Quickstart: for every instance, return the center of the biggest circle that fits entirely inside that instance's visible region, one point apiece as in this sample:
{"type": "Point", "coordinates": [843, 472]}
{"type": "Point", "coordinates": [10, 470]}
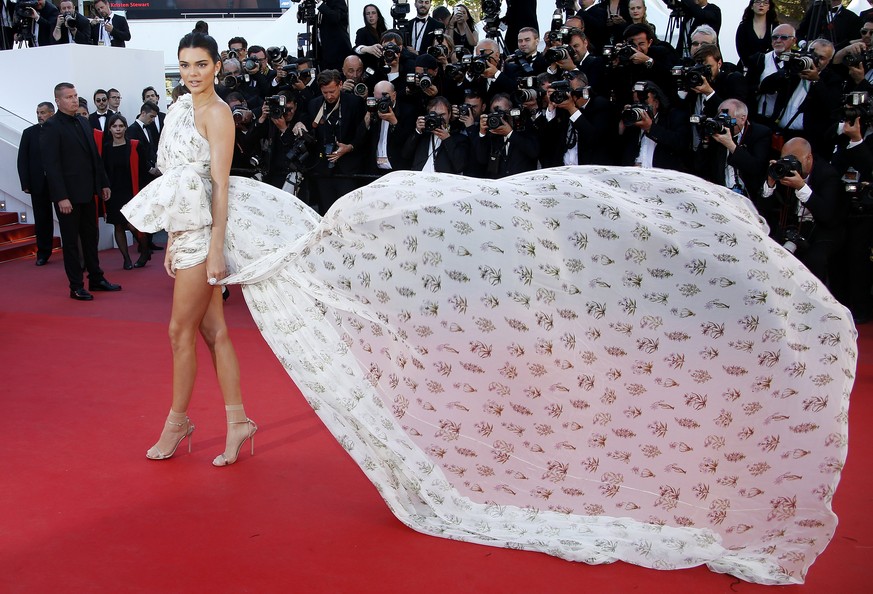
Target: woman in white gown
{"type": "Point", "coordinates": [599, 364]}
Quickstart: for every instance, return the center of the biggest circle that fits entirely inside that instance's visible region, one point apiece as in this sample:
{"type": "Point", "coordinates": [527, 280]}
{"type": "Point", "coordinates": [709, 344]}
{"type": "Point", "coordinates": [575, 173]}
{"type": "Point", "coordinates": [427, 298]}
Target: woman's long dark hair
{"type": "Point", "coordinates": [201, 41]}
{"type": "Point", "coordinates": [381, 27]}
{"type": "Point", "coordinates": [772, 15]}
{"type": "Point", "coordinates": [471, 24]}
{"type": "Point", "coordinates": [107, 134]}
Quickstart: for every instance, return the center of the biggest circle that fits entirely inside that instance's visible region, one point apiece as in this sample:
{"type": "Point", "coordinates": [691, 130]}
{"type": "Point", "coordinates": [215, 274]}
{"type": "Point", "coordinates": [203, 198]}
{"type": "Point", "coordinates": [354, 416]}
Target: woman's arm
{"type": "Point", "coordinates": [219, 128]}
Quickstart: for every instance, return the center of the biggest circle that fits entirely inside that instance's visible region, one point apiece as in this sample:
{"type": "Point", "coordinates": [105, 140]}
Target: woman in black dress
{"type": "Point", "coordinates": [753, 33]}
{"type": "Point", "coordinates": [121, 159]}
{"type": "Point", "coordinates": [462, 28]}
{"type": "Point", "coordinates": [367, 39]}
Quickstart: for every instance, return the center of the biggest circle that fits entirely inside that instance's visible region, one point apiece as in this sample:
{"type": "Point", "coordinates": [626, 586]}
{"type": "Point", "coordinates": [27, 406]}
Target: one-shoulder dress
{"type": "Point", "coordinates": [596, 363]}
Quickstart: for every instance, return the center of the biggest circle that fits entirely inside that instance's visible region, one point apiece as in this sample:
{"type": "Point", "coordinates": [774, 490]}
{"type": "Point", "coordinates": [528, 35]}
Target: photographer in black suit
{"type": "Point", "coordinates": [736, 158]}
{"type": "Point", "coordinates": [75, 174]}
{"type": "Point", "coordinates": [577, 127]}
{"type": "Point", "coordinates": [499, 147]}
{"type": "Point", "coordinates": [37, 28]}
{"type": "Point", "coordinates": [435, 146]}
{"type": "Point", "coordinates": [336, 120]}
{"type": "Point", "coordinates": [71, 26]}
{"type": "Point", "coordinates": [807, 207]}
{"type": "Point", "coordinates": [657, 134]}
{"type": "Point", "coordinates": [829, 19]}
{"type": "Point", "coordinates": [418, 34]}
{"type": "Point", "coordinates": [109, 29]}
{"type": "Point", "coordinates": [32, 176]}
{"type": "Point", "coordinates": [389, 125]}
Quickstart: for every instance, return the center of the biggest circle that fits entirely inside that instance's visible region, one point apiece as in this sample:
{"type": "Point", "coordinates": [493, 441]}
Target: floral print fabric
{"type": "Point", "coordinates": [598, 364]}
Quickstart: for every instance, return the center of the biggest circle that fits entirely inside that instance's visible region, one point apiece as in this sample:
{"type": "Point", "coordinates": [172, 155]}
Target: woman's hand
{"type": "Point", "coordinates": [216, 268]}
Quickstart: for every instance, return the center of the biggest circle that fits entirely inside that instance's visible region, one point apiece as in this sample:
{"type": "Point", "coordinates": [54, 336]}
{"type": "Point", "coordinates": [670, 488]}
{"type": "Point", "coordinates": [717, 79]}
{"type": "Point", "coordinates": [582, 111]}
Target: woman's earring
{"type": "Point", "coordinates": [216, 78]}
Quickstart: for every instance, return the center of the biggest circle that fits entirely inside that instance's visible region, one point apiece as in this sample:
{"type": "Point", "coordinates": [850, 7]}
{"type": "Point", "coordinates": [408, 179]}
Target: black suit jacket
{"type": "Point", "coordinates": [154, 132]}
{"type": "Point", "coordinates": [672, 135]}
{"type": "Point", "coordinates": [348, 129]}
{"type": "Point", "coordinates": [519, 14]}
{"type": "Point", "coordinates": [148, 151]}
{"type": "Point", "coordinates": [94, 119]}
{"type": "Point", "coordinates": [524, 151]}
{"type": "Point", "coordinates": [750, 160]}
{"type": "Point", "coordinates": [120, 31]}
{"type": "Point", "coordinates": [48, 18]}
{"type": "Point", "coordinates": [594, 129]}
{"type": "Point", "coordinates": [73, 167]}
{"type": "Point", "coordinates": [427, 37]}
{"type": "Point", "coordinates": [31, 173]}
{"type": "Point", "coordinates": [696, 16]}
{"type": "Point", "coordinates": [396, 141]}
{"type": "Point", "coordinates": [334, 32]}
{"type": "Point", "coordinates": [82, 35]}
{"type": "Point", "coordinates": [844, 26]}
{"type": "Point", "coordinates": [452, 156]}
{"type": "Point", "coordinates": [818, 108]}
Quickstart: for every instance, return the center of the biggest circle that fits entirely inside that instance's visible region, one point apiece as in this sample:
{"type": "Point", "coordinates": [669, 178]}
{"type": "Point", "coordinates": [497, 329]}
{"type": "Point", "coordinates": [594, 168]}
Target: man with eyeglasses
{"type": "Point", "coordinates": [831, 21]}
{"type": "Point", "coordinates": [766, 72]}
{"type": "Point", "coordinates": [114, 100]}
{"type": "Point", "coordinates": [102, 113]}
{"type": "Point", "coordinates": [806, 102]}
{"type": "Point", "coordinates": [859, 76]}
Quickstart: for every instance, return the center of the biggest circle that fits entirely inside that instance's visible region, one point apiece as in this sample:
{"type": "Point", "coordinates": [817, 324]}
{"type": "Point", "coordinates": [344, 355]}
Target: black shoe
{"type": "Point", "coordinates": [104, 285]}
{"type": "Point", "coordinates": [143, 258]}
{"type": "Point", "coordinates": [225, 293]}
{"type": "Point", "coordinates": [42, 261]}
{"type": "Point", "coordinates": [81, 294]}
{"type": "Point", "coordinates": [155, 248]}
{"type": "Point", "coordinates": [128, 265]}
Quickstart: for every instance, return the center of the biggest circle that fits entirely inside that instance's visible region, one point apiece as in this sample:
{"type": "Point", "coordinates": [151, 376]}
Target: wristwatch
{"type": "Point", "coordinates": [649, 62]}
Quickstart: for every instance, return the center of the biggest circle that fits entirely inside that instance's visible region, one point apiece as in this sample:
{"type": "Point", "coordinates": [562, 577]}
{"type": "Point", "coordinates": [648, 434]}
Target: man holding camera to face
{"type": "Point", "coordinates": [655, 134]}
{"type": "Point", "coordinates": [71, 26]}
{"type": "Point", "coordinates": [234, 80]}
{"type": "Point", "coordinates": [274, 131]}
{"type": "Point", "coordinates": [501, 148]}
{"type": "Point", "coordinates": [389, 125]}
{"type": "Point", "coordinates": [108, 29]}
{"type": "Point", "coordinates": [34, 24]}
{"type": "Point", "coordinates": [245, 144]}
{"type": "Point", "coordinates": [733, 151]}
{"type": "Point", "coordinates": [804, 204]}
{"type": "Point", "coordinates": [435, 146]}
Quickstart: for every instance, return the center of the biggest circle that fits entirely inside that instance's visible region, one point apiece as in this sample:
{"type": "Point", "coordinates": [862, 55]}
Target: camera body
{"type": "Point", "coordinates": [498, 117]}
{"type": "Point", "coordinates": [520, 58]}
{"type": "Point", "coordinates": [865, 58]}
{"type": "Point", "coordinates": [690, 76]}
{"type": "Point", "coordinates": [620, 51]}
{"type": "Point", "coordinates": [464, 110]}
{"type": "Point", "coordinates": [300, 152]}
{"type": "Point", "coordinates": [558, 53]}
{"type": "Point", "coordinates": [860, 199]}
{"type": "Point", "coordinates": [380, 105]}
{"type": "Point", "coordinates": [232, 81]}
{"type": "Point", "coordinates": [793, 241]}
{"type": "Point", "coordinates": [251, 65]}
{"type": "Point", "coordinates": [797, 62]}
{"type": "Point", "coordinates": [857, 105]}
{"type": "Point", "coordinates": [478, 65]}
{"type": "Point", "coordinates": [242, 115]}
{"type": "Point", "coordinates": [634, 113]}
{"type": "Point", "coordinates": [276, 105]}
{"type": "Point", "coordinates": [784, 167]}
{"type": "Point", "coordinates": [433, 121]}
{"type": "Point", "coordinates": [561, 91]}
{"type": "Point", "coordinates": [709, 127]}
{"type": "Point", "coordinates": [420, 81]}
{"type": "Point", "coordinates": [391, 50]}
{"type": "Point", "coordinates": [527, 89]}
{"type": "Point", "coordinates": [22, 8]}
{"type": "Point", "coordinates": [456, 72]}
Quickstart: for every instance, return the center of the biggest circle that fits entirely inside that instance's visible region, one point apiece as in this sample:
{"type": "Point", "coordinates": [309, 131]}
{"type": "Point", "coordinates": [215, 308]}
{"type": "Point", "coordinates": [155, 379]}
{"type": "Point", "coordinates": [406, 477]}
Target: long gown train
{"type": "Point", "coordinates": [596, 363]}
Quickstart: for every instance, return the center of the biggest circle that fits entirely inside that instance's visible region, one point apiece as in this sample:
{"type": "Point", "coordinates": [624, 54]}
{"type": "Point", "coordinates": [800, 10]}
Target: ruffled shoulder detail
{"type": "Point", "coordinates": [179, 200]}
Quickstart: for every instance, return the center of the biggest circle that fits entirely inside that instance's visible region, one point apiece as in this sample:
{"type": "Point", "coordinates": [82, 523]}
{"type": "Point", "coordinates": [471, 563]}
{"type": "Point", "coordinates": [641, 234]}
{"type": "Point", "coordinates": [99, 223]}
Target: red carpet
{"type": "Point", "coordinates": [85, 389]}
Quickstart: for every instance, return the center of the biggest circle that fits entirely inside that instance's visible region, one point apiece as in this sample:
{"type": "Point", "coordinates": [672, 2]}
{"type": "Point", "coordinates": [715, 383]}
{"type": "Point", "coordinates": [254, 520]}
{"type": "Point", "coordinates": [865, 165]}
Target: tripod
{"type": "Point", "coordinates": [307, 43]}
{"type": "Point", "coordinates": [676, 22]}
{"type": "Point", "coordinates": [820, 25]}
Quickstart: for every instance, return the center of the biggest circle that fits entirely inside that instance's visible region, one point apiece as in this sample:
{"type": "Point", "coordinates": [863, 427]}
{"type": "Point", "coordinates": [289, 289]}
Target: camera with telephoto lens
{"type": "Point", "coordinates": [433, 121]}
{"type": "Point", "coordinates": [558, 53]}
{"type": "Point", "coordinates": [231, 54]}
{"type": "Point", "coordinates": [70, 21]}
{"type": "Point", "coordinates": [797, 62]}
{"type": "Point", "coordinates": [303, 147]}
{"type": "Point", "coordinates": [390, 51]}
{"type": "Point", "coordinates": [857, 105]}
{"type": "Point", "coordinates": [865, 58]}
{"type": "Point", "coordinates": [292, 72]}
{"type": "Point", "coordinates": [634, 113]}
{"type": "Point", "coordinates": [22, 8]}
{"type": "Point", "coordinates": [520, 58]}
{"type": "Point", "coordinates": [622, 52]}
{"type": "Point", "coordinates": [232, 81]}
{"type": "Point", "coordinates": [251, 65]}
{"type": "Point", "coordinates": [690, 76]}
{"type": "Point", "coordinates": [527, 89]}
{"type": "Point", "coordinates": [380, 105]}
{"type": "Point", "coordinates": [276, 104]}
{"type": "Point", "coordinates": [438, 51]}
{"type": "Point", "coordinates": [241, 115]}
{"type": "Point", "coordinates": [793, 241]}
{"type": "Point", "coordinates": [709, 127]}
{"type": "Point", "coordinates": [785, 167]}
{"type": "Point", "coordinates": [360, 89]}
{"type": "Point", "coordinates": [277, 54]}
{"type": "Point", "coordinates": [491, 16]}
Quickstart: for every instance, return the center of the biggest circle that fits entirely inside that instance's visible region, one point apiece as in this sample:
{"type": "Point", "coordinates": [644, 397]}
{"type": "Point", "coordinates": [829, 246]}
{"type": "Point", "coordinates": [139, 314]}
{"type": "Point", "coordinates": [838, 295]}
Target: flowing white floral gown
{"type": "Point", "coordinates": [596, 363]}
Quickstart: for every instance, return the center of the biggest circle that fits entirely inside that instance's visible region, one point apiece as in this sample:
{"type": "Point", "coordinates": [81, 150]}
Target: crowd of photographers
{"type": "Point", "coordinates": [789, 127]}
{"type": "Point", "coordinates": [38, 23]}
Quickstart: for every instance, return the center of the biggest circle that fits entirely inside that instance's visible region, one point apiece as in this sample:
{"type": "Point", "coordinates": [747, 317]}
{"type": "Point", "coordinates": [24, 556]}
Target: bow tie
{"type": "Point", "coordinates": [421, 19]}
